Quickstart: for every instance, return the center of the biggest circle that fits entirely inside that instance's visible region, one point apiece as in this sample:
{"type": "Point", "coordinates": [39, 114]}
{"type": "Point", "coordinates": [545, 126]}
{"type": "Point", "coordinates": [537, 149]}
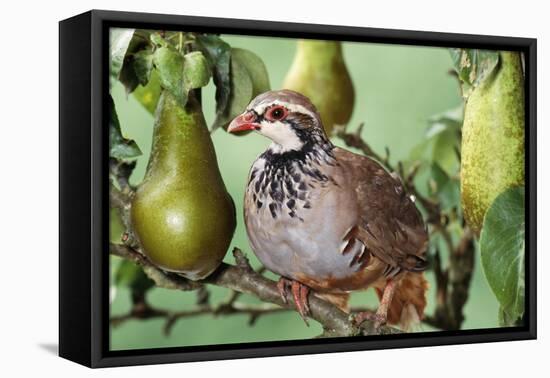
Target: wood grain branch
{"type": "Point", "coordinates": [243, 279]}
{"type": "Point", "coordinates": [240, 278]}
{"type": "Point", "coordinates": [142, 311]}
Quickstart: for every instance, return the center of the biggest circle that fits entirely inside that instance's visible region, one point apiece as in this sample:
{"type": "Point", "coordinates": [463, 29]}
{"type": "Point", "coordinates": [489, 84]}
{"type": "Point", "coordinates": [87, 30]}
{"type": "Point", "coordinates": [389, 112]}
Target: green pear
{"type": "Point", "coordinates": [182, 214]}
{"type": "Point", "coordinates": [319, 73]}
{"type": "Point", "coordinates": [493, 137]}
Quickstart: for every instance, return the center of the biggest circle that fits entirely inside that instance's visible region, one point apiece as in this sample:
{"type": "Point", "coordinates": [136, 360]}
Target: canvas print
{"type": "Point", "coordinates": [274, 189]}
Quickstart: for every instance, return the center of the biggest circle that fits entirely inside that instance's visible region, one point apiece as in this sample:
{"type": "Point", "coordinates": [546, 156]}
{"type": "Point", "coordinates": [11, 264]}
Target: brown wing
{"type": "Point", "coordinates": [389, 225]}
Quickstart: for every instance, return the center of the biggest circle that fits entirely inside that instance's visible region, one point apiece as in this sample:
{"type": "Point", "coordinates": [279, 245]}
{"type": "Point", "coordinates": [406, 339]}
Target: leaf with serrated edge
{"type": "Point", "coordinates": [502, 245]}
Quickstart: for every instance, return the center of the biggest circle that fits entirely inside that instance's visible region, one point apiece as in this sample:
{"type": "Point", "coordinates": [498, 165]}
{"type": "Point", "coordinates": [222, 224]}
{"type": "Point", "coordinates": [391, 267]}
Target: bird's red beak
{"type": "Point", "coordinates": [246, 121]}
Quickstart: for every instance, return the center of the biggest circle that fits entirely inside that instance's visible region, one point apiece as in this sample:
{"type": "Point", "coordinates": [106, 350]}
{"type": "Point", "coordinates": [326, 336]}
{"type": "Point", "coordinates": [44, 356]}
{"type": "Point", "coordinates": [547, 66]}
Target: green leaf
{"type": "Point", "coordinates": [148, 95]}
{"type": "Point", "coordinates": [242, 90]}
{"type": "Point", "coordinates": [120, 147]}
{"type": "Point", "coordinates": [442, 143]}
{"type": "Point", "coordinates": [439, 149]}
{"type": "Point", "coordinates": [218, 54]}
{"type": "Point", "coordinates": [248, 79]}
{"type": "Point", "coordinates": [445, 188]}
{"type": "Point", "coordinates": [502, 245]}
{"type": "Point", "coordinates": [128, 76]}
{"type": "Point", "coordinates": [444, 153]}
{"type": "Point", "coordinates": [157, 39]}
{"type": "Point", "coordinates": [143, 65]}
{"type": "Point", "coordinates": [116, 228]}
{"type": "Point", "coordinates": [255, 67]}
{"type": "Point", "coordinates": [450, 119]}
{"type": "Point", "coordinates": [119, 40]}
{"type": "Point", "coordinates": [169, 64]}
{"type": "Point", "coordinates": [176, 73]}
{"type": "Point", "coordinates": [131, 275]}
{"type": "Point", "coordinates": [136, 66]}
{"type": "Point", "coordinates": [507, 320]}
{"type": "Point", "coordinates": [473, 66]}
{"type": "Point", "coordinates": [439, 177]}
{"type": "Point", "coordinates": [196, 73]}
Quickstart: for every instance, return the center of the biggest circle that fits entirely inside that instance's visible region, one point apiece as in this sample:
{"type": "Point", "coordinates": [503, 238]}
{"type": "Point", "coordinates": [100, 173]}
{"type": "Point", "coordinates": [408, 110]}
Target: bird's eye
{"type": "Point", "coordinates": [276, 113]}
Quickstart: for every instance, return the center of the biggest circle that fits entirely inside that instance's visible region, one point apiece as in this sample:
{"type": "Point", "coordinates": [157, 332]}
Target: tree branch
{"type": "Point", "coordinates": [355, 140]}
{"type": "Point", "coordinates": [142, 310]}
{"type": "Point", "coordinates": [243, 279]}
{"type": "Point", "coordinates": [453, 283]}
{"type": "Point", "coordinates": [455, 288]}
{"type": "Point", "coordinates": [240, 278]}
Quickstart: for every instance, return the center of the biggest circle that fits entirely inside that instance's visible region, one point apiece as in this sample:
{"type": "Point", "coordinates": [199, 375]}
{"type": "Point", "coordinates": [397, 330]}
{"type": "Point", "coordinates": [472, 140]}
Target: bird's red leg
{"type": "Point", "coordinates": [300, 294]}
{"type": "Point", "coordinates": [381, 315]}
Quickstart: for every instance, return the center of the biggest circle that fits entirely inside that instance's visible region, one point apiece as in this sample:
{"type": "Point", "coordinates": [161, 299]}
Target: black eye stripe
{"type": "Point", "coordinates": [259, 117]}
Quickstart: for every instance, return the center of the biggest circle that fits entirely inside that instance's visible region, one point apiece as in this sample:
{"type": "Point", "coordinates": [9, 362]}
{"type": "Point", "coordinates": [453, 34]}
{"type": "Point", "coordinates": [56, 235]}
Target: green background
{"type": "Point", "coordinates": [397, 89]}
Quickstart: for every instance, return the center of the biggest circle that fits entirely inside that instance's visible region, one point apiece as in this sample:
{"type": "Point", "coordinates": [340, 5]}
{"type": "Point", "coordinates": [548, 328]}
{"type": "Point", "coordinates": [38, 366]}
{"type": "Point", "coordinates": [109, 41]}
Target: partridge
{"type": "Point", "coordinates": [328, 220]}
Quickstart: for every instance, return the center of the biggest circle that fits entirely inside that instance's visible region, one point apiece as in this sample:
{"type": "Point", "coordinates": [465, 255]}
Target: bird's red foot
{"type": "Point", "coordinates": [300, 294]}
{"type": "Point", "coordinates": [378, 319]}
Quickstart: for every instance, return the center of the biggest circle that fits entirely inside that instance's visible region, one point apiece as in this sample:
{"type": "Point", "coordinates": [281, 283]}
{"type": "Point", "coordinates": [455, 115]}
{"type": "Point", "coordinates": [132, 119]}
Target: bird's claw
{"type": "Point", "coordinates": [282, 287]}
{"type": "Point", "coordinates": [376, 318]}
{"type": "Point", "coordinates": [300, 294]}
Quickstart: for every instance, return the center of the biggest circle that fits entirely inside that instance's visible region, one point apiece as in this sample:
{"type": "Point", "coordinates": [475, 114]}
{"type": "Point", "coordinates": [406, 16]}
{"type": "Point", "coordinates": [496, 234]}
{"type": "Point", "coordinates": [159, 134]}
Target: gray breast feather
{"type": "Point", "coordinates": [308, 243]}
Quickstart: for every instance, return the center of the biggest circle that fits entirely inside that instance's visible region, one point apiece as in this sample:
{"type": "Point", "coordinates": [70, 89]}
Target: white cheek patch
{"type": "Point", "coordinates": [284, 138]}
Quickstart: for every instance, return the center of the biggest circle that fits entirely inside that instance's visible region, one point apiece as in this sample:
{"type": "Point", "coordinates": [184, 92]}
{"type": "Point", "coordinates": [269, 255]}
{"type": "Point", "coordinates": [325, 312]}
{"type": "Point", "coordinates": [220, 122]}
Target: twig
{"type": "Point", "coordinates": [141, 310]}
{"type": "Point", "coordinates": [453, 283]}
{"type": "Point", "coordinates": [356, 141]}
{"type": "Point", "coordinates": [161, 278]}
{"type": "Point", "coordinates": [121, 170]}
{"type": "Point", "coordinates": [242, 278]}
{"type": "Point", "coordinates": [145, 311]}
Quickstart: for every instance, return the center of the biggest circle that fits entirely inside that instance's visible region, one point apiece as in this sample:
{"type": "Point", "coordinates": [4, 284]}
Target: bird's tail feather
{"type": "Point", "coordinates": [408, 302]}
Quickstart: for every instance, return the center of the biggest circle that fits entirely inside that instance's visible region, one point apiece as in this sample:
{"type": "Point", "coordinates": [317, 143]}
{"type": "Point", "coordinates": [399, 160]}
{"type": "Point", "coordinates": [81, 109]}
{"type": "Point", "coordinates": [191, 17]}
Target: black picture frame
{"type": "Point", "coordinates": [83, 196]}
